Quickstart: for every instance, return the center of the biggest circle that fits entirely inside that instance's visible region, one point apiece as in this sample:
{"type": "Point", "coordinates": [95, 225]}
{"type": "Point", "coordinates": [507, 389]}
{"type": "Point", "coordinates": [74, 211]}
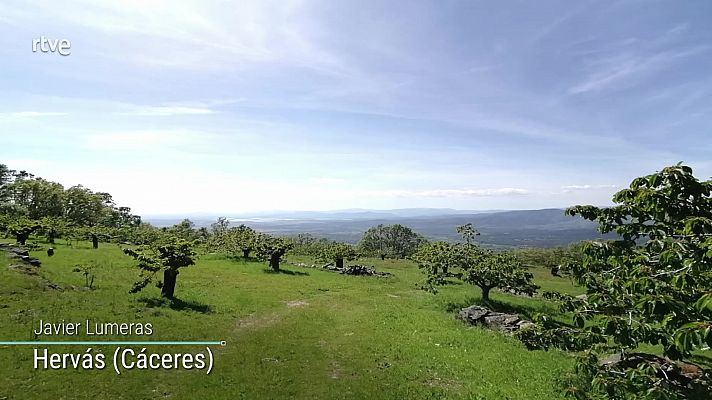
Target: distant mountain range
{"type": "Point", "coordinates": [520, 228]}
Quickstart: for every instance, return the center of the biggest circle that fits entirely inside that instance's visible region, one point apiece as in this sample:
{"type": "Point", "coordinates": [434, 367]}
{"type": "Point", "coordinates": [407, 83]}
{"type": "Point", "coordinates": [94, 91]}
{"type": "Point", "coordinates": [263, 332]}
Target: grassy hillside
{"type": "Point", "coordinates": [302, 333]}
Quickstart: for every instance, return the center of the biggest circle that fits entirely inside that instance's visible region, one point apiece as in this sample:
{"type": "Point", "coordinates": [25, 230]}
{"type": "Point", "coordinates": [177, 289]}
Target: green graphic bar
{"type": "Point", "coordinates": [221, 343]}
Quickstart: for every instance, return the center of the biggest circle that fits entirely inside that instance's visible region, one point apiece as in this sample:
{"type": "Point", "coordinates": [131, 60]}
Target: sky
{"type": "Point", "coordinates": [241, 106]}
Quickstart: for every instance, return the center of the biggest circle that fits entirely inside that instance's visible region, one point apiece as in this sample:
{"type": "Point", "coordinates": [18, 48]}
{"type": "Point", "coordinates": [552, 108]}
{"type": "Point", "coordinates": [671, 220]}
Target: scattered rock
{"type": "Point", "coordinates": [346, 270]}
{"type": "Point", "coordinates": [677, 372]}
{"type": "Point", "coordinates": [297, 303]}
{"type": "Point", "coordinates": [507, 323]}
{"type": "Point", "coordinates": [355, 270]}
{"type": "Point", "coordinates": [21, 254]}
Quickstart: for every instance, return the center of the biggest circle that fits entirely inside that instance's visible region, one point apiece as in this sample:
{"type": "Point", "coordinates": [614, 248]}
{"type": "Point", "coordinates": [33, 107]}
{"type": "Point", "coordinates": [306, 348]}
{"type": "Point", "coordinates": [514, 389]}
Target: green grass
{"type": "Point", "coordinates": [306, 334]}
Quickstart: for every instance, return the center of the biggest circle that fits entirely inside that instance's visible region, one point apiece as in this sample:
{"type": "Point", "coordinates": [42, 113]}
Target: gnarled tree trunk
{"type": "Point", "coordinates": [22, 238]}
{"type": "Point", "coordinates": [274, 261]}
{"type": "Point", "coordinates": [170, 276]}
{"type": "Point", "coordinates": [485, 293]}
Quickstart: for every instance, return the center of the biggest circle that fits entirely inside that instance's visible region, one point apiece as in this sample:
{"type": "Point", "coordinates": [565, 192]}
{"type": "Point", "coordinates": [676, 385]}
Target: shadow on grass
{"type": "Point", "coordinates": [175, 304]}
{"type": "Point", "coordinates": [241, 259]}
{"type": "Point", "coordinates": [285, 271]}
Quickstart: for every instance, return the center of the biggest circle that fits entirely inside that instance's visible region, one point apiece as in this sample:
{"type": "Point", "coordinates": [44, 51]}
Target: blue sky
{"type": "Point", "coordinates": [210, 106]}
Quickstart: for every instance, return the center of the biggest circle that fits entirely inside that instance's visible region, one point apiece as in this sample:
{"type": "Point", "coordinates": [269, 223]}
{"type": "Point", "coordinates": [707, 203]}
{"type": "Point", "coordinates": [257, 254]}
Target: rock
{"type": "Point", "coordinates": [473, 314]}
{"type": "Point", "coordinates": [478, 315]}
{"type": "Point", "coordinates": [346, 270]}
{"type": "Point", "coordinates": [362, 270]}
{"type": "Point", "coordinates": [677, 372]}
{"type": "Point", "coordinates": [19, 253]}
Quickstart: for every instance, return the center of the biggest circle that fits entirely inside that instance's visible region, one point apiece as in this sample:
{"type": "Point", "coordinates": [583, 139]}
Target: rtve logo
{"type": "Point", "coordinates": [45, 45]}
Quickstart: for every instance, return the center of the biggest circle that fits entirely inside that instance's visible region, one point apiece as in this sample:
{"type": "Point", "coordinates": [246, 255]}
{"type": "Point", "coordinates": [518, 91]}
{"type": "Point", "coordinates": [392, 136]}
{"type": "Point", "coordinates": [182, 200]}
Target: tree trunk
{"type": "Point", "coordinates": [169, 283]}
{"type": "Point", "coordinates": [22, 238]}
{"type": "Point", "coordinates": [339, 263]}
{"type": "Point", "coordinates": [95, 241]}
{"type": "Point", "coordinates": [50, 237]}
{"type": "Point", "coordinates": [383, 256]}
{"type": "Point", "coordinates": [485, 294]}
{"type": "Point", "coordinates": [274, 261]}
{"type": "Point", "coordinates": [245, 253]}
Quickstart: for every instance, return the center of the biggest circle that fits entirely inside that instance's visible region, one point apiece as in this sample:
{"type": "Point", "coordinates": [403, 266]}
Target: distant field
{"type": "Point", "coordinates": [304, 333]}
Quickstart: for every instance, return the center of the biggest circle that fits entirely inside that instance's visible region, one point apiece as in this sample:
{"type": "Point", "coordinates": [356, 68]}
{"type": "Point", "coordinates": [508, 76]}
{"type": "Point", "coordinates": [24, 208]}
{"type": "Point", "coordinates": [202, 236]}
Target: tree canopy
{"type": "Point", "coordinates": [337, 253]}
{"type": "Point", "coordinates": [168, 255]}
{"type": "Point", "coordinates": [472, 264]}
{"type": "Point", "coordinates": [272, 249]}
{"type": "Point", "coordinates": [651, 286]}
{"type": "Point", "coordinates": [393, 241]}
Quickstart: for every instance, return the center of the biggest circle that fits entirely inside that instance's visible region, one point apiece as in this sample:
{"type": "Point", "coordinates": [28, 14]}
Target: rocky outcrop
{"type": "Point", "coordinates": [363, 270]}
{"type": "Point", "coordinates": [20, 254]}
{"type": "Point", "coordinates": [479, 315]}
{"type": "Point", "coordinates": [355, 270]}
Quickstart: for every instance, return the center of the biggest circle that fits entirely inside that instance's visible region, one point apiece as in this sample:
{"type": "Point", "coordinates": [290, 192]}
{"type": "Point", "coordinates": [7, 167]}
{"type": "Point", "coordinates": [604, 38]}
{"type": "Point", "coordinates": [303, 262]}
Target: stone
{"type": "Point", "coordinates": [479, 315]}
{"type": "Point", "coordinates": [21, 254]}
{"type": "Point", "coordinates": [678, 372]}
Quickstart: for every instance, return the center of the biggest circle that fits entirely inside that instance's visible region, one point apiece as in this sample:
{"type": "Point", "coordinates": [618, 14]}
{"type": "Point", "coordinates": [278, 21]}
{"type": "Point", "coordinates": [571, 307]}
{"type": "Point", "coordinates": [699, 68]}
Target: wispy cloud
{"type": "Point", "coordinates": [32, 114]}
{"type": "Point", "coordinates": [448, 193]}
{"type": "Point", "coordinates": [327, 181]}
{"type": "Point", "coordinates": [165, 111]}
{"type": "Point", "coordinates": [141, 139]}
{"type": "Point", "coordinates": [626, 69]}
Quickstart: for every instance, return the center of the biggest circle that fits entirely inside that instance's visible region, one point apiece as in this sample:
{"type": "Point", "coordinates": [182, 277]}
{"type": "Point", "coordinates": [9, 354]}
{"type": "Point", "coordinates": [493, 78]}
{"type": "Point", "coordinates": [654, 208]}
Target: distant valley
{"type": "Point", "coordinates": [520, 228]}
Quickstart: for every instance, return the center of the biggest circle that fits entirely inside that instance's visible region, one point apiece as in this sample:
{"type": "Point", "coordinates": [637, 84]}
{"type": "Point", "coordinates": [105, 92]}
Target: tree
{"type": "Point", "coordinates": [471, 264]}
{"type": "Point", "coordinates": [397, 241]}
{"type": "Point", "coordinates": [84, 207]}
{"type": "Point", "coordinates": [184, 230]}
{"type": "Point", "coordinates": [38, 198]}
{"type": "Point", "coordinates": [6, 177]}
{"type": "Point", "coordinates": [502, 270]}
{"type": "Point", "coordinates": [651, 286]}
{"type": "Point", "coordinates": [53, 227]}
{"type": "Point", "coordinates": [271, 249]}
{"type": "Point", "coordinates": [468, 232]}
{"type": "Point", "coordinates": [219, 227]}
{"type": "Point", "coordinates": [22, 228]}
{"type": "Point", "coordinates": [437, 259]}
{"type": "Point", "coordinates": [243, 238]}
{"type": "Point", "coordinates": [169, 255]}
{"type": "Point", "coordinates": [337, 253]}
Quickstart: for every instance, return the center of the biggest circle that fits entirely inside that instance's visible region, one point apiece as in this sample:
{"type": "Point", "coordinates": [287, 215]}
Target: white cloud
{"type": "Point", "coordinates": [571, 188]}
